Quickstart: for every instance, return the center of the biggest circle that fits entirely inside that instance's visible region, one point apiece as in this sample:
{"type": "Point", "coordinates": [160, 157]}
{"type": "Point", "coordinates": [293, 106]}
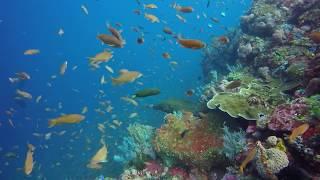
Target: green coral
{"type": "Point", "coordinates": [254, 99]}
{"type": "Point", "coordinates": [236, 105]}
{"type": "Point", "coordinates": [296, 70]}
{"type": "Point", "coordinates": [314, 106]}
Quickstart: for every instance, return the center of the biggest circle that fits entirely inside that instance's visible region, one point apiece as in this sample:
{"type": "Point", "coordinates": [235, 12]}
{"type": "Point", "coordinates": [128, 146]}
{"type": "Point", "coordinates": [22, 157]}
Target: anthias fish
{"type": "Point", "coordinates": [126, 77]}
{"type": "Point", "coordinates": [29, 163]}
{"type": "Point", "coordinates": [66, 119]}
{"type": "Point", "coordinates": [110, 40]}
{"type": "Point", "coordinates": [191, 43]}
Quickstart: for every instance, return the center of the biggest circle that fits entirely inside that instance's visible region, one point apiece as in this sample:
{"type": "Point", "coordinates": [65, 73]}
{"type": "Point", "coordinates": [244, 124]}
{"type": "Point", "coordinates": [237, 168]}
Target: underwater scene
{"type": "Point", "coordinates": [160, 90]}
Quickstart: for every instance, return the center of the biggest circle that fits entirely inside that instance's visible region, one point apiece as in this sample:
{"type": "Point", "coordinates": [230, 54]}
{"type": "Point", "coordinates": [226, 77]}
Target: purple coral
{"type": "Point", "coordinates": [285, 116]}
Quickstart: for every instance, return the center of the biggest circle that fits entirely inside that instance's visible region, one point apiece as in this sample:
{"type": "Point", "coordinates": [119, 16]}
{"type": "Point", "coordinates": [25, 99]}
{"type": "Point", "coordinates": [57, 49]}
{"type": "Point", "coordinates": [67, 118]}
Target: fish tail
{"type": "Point", "coordinates": [31, 147]}
{"type": "Point", "coordinates": [241, 169]}
{"type": "Point", "coordinates": [52, 123]}
{"type": "Point", "coordinates": [174, 5]}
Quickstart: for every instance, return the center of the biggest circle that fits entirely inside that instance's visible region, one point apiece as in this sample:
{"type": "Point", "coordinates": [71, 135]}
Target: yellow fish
{"type": "Point", "coordinates": [29, 163]}
{"type": "Point", "coordinates": [150, 6]}
{"type": "Point", "coordinates": [250, 157]}
{"type": "Point", "coordinates": [66, 119]}
{"type": "Point", "coordinates": [100, 157]}
{"type": "Point", "coordinates": [298, 131]}
{"type": "Point", "coordinates": [152, 18]}
{"type": "Point", "coordinates": [31, 52]}
{"type": "Point", "coordinates": [104, 56]}
{"type": "Point", "coordinates": [126, 77]}
{"type": "Point", "coordinates": [63, 68]}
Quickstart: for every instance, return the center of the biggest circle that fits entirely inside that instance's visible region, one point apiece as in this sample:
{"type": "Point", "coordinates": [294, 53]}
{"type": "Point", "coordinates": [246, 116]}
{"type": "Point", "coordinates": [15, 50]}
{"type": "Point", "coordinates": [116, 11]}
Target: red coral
{"type": "Point", "coordinates": [285, 116]}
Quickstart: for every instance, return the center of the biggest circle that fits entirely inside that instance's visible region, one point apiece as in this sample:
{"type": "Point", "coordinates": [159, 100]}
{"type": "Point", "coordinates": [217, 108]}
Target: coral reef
{"type": "Point", "coordinates": [233, 142]}
{"type": "Point", "coordinates": [137, 148]}
{"type": "Point", "coordinates": [218, 56]}
{"type": "Point", "coordinates": [254, 98]}
{"type": "Point", "coordinates": [267, 79]}
{"type": "Point", "coordinates": [188, 140]}
{"type": "Point", "coordinates": [287, 116]}
{"type": "Point", "coordinates": [270, 161]}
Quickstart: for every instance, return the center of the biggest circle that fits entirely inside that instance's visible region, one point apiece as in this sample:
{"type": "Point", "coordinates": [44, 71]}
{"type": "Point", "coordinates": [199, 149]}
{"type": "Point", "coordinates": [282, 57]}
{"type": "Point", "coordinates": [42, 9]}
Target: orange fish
{"type": "Point", "coordinates": [166, 55]}
{"type": "Point", "coordinates": [251, 155]}
{"type": "Point", "coordinates": [183, 9]}
{"type": "Point", "coordinates": [315, 37]}
{"type": "Point", "coordinates": [100, 157]}
{"type": "Point", "coordinates": [115, 32]}
{"type": "Point", "coordinates": [66, 119]}
{"type": "Point", "coordinates": [223, 39]}
{"type": "Point", "coordinates": [298, 131]}
{"type": "Point", "coordinates": [126, 77]}
{"type": "Point", "coordinates": [111, 40]}
{"type": "Point", "coordinates": [191, 43]}
{"type": "Point", "coordinates": [31, 52]}
{"type": "Point", "coordinates": [29, 163]}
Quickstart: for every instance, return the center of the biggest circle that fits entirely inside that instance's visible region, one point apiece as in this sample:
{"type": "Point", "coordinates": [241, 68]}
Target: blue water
{"type": "Point", "coordinates": [35, 24]}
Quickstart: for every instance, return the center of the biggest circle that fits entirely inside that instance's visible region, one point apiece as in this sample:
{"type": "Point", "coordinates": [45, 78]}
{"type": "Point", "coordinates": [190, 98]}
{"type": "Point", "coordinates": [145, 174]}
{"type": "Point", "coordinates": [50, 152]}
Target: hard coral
{"type": "Point", "coordinates": [270, 161]}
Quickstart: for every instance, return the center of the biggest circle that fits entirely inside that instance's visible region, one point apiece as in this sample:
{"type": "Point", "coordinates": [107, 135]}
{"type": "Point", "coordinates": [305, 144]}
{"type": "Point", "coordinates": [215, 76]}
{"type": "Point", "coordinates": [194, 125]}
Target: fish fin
{"type": "Point", "coordinates": [133, 96]}
{"type": "Point", "coordinates": [107, 24]}
{"type": "Point", "coordinates": [241, 169]}
{"type": "Point", "coordinates": [31, 147]}
{"type": "Point", "coordinates": [174, 5]}
{"type": "Point", "coordinates": [52, 123]}
{"type": "Point", "coordinates": [123, 71]}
